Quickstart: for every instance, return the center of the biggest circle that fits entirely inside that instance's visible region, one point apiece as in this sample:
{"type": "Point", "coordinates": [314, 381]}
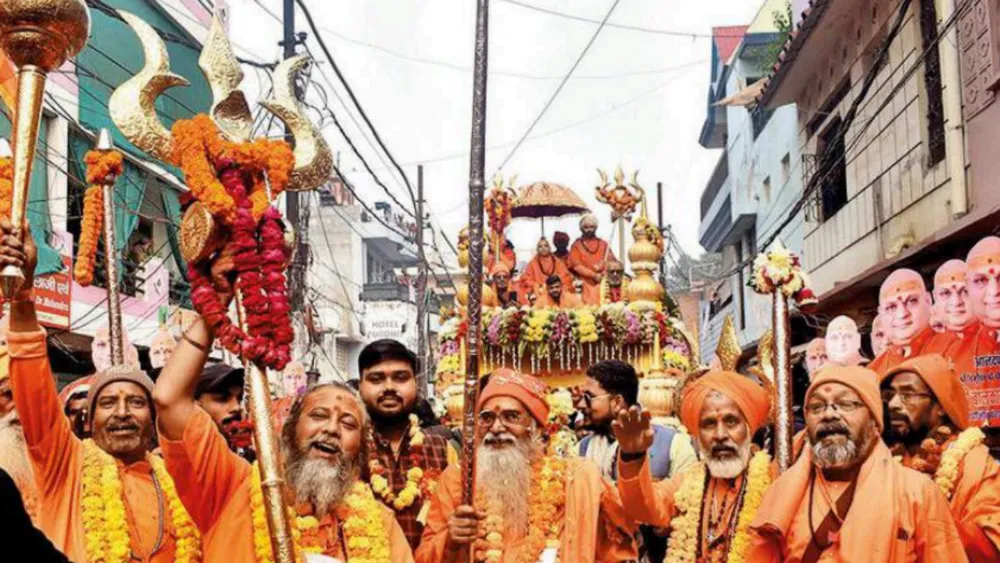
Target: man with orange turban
{"type": "Point", "coordinates": [503, 295]}
{"type": "Point", "coordinates": [530, 506]}
{"type": "Point", "coordinates": [929, 430]}
{"type": "Point", "coordinates": [722, 410]}
{"type": "Point", "coordinates": [588, 259]}
{"type": "Point", "coordinates": [898, 515]}
{"type": "Point", "coordinates": [904, 301]}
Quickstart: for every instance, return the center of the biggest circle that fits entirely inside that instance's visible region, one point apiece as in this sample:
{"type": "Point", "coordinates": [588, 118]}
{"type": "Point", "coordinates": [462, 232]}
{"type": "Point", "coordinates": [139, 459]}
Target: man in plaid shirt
{"type": "Point", "coordinates": [405, 459]}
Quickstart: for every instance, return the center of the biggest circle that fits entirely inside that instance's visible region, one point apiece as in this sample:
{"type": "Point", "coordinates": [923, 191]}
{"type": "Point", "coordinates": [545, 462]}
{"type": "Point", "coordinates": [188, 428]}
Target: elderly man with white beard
{"type": "Point", "coordinates": [322, 442]}
{"type": "Point", "coordinates": [708, 505]}
{"type": "Point", "coordinates": [529, 506]}
{"type": "Point", "coordinates": [13, 450]}
{"type": "Point", "coordinates": [846, 499]}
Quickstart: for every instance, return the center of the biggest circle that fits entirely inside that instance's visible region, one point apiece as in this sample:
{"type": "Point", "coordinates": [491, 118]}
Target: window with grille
{"type": "Point", "coordinates": [832, 169]}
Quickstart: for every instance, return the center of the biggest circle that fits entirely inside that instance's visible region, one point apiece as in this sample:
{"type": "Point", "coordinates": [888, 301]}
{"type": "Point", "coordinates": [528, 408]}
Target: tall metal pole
{"type": "Point", "coordinates": [111, 262]}
{"type": "Point", "coordinates": [477, 187]}
{"type": "Point", "coordinates": [659, 225]}
{"type": "Point", "coordinates": [421, 286]}
{"type": "Point", "coordinates": [296, 278]}
{"type": "Point", "coordinates": [783, 425]}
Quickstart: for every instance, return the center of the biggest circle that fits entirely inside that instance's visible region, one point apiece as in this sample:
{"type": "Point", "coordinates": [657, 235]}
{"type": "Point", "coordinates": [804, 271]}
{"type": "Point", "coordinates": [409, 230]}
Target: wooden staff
{"type": "Point", "coordinates": [477, 187]}
{"type": "Point", "coordinates": [37, 36]}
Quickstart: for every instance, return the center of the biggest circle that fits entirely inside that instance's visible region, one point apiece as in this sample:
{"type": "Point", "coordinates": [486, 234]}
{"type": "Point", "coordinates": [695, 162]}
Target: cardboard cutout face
{"type": "Point", "coordinates": [906, 305]}
{"type": "Point", "coordinates": [843, 342]}
{"type": "Point", "coordinates": [161, 348]}
{"type": "Point", "coordinates": [983, 279]}
{"type": "Point", "coordinates": [816, 356]}
{"type": "Point", "coordinates": [100, 350]}
{"type": "Point", "coordinates": [879, 336]}
{"type": "Point", "coordinates": [951, 296]}
{"type": "Point", "coordinates": [294, 379]}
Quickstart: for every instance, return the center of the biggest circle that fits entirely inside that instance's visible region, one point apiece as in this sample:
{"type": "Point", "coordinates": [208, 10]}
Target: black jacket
{"type": "Point", "coordinates": [16, 528]}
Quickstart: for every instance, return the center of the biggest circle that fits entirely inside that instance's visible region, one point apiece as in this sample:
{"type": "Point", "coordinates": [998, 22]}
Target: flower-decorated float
{"type": "Point", "coordinates": [559, 344]}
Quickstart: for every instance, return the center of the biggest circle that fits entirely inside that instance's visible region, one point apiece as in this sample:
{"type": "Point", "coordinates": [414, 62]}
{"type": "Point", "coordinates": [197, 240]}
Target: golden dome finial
{"type": "Point", "coordinates": [728, 350]}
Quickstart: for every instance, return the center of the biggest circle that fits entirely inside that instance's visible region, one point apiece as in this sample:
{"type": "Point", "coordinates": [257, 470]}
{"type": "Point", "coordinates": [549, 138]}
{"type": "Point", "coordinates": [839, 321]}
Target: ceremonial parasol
{"type": "Point", "coordinates": [546, 199]}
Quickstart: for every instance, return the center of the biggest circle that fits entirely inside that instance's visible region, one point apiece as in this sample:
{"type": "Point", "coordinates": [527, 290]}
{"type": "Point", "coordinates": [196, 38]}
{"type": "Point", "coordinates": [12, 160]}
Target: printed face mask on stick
{"type": "Point", "coordinates": [906, 305]}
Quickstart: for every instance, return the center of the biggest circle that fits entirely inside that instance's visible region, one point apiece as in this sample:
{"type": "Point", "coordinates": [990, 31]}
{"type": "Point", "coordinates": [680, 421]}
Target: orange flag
{"type": "Point", "coordinates": [8, 84]}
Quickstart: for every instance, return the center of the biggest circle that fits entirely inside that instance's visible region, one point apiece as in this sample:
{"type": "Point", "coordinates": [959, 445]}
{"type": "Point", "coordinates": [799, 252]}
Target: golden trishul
{"type": "Point", "coordinates": [133, 104]}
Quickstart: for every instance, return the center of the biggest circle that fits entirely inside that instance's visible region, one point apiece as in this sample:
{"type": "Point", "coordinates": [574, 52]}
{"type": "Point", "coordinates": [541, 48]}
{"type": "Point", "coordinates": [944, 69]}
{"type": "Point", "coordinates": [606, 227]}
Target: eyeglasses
{"type": "Point", "coordinates": [845, 407]}
{"type": "Point", "coordinates": [908, 398]}
{"type": "Point", "coordinates": [588, 397]}
{"type": "Point", "coordinates": [509, 418]}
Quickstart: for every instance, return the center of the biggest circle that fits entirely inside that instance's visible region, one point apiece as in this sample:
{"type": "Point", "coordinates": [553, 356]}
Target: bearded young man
{"type": "Point", "coordinates": [220, 394]}
{"type": "Point", "coordinates": [929, 431]}
{"type": "Point", "coordinates": [97, 499]}
{"type": "Point", "coordinates": [405, 460]}
{"type": "Point", "coordinates": [845, 499]}
{"type": "Point", "coordinates": [322, 442]}
{"type": "Point", "coordinates": [703, 505]}
{"type": "Point", "coordinates": [529, 506]}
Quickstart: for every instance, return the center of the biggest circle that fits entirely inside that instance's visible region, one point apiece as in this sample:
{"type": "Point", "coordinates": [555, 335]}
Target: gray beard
{"type": "Point", "coordinates": [320, 483]}
{"type": "Point", "coordinates": [13, 451]}
{"type": "Point", "coordinates": [835, 456]}
{"type": "Point", "coordinates": [729, 468]}
{"type": "Point", "coordinates": [505, 477]}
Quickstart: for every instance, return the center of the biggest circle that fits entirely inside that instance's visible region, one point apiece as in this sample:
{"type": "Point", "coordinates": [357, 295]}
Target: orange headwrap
{"type": "Point", "coordinates": [529, 390]}
{"type": "Point", "coordinates": [863, 381]}
{"type": "Point", "coordinates": [748, 396]}
{"type": "Point", "coordinates": [499, 267]}
{"type": "Point", "coordinates": [940, 376]}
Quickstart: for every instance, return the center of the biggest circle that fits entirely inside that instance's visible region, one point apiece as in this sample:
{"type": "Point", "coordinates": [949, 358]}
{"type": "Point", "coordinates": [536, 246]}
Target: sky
{"type": "Point", "coordinates": [637, 99]}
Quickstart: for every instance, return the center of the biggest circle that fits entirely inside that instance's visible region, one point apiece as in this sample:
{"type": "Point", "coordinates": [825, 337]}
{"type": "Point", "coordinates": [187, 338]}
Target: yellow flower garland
{"type": "Point", "coordinates": [415, 477]}
{"type": "Point", "coordinates": [105, 527]}
{"type": "Point", "coordinates": [947, 471]}
{"type": "Point", "coordinates": [366, 538]}
{"type": "Point", "coordinates": [686, 527]}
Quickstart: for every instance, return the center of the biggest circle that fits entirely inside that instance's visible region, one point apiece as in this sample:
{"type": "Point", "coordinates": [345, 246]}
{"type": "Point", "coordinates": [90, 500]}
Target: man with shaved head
{"type": "Point", "coordinates": [978, 364]}
{"type": "Point", "coordinates": [878, 338]}
{"type": "Point", "coordinates": [906, 305]}
{"type": "Point", "coordinates": [843, 342]}
{"type": "Point", "coordinates": [815, 356]}
{"type": "Point", "coordinates": [954, 310]}
{"type": "Point", "coordinates": [588, 259]}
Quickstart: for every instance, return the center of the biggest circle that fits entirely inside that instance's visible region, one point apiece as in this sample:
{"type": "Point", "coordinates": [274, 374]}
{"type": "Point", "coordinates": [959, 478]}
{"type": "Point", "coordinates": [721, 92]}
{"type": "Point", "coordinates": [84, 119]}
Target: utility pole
{"type": "Point", "coordinates": [297, 220]}
{"type": "Point", "coordinates": [421, 286]}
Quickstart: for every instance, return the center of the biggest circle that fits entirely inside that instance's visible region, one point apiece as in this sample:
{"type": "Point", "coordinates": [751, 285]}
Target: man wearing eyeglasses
{"type": "Point", "coordinates": [929, 431]}
{"type": "Point", "coordinates": [846, 499]}
{"type": "Point", "coordinates": [529, 506]}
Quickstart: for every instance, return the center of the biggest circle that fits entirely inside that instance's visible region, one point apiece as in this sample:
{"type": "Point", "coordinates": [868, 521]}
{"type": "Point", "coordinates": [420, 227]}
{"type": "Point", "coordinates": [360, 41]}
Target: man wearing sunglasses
{"type": "Point", "coordinates": [529, 506]}
{"type": "Point", "coordinates": [930, 431]}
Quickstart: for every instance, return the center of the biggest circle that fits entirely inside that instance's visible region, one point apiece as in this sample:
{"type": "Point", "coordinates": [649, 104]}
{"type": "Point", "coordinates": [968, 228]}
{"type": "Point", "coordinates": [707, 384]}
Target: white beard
{"type": "Point", "coordinates": [320, 483]}
{"type": "Point", "coordinates": [504, 473]}
{"type": "Point", "coordinates": [729, 468]}
{"type": "Point", "coordinates": [13, 451]}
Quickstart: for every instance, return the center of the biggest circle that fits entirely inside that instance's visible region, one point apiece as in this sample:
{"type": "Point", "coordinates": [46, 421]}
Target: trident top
{"type": "Point", "coordinates": [133, 104]}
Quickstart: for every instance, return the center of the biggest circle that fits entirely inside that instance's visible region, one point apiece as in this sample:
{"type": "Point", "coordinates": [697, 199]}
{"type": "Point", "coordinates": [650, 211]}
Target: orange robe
{"type": "Point", "coordinates": [975, 504]}
{"type": "Point", "coordinates": [895, 355]}
{"type": "Point", "coordinates": [539, 270]}
{"type": "Point", "coordinates": [898, 515]}
{"type": "Point", "coordinates": [566, 301]}
{"type": "Point", "coordinates": [214, 485]}
{"type": "Point", "coordinates": [594, 525]}
{"type": "Point", "coordinates": [588, 259]}
{"type": "Point", "coordinates": [977, 361]}
{"type": "Point", "coordinates": [652, 502]}
{"type": "Point", "coordinates": [57, 459]}
{"type": "Point", "coordinates": [951, 344]}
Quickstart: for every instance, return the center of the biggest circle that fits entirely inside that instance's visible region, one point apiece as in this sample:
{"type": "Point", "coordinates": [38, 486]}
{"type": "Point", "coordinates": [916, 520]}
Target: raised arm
{"type": "Point", "coordinates": [645, 502]}
{"type": "Point", "coordinates": [174, 391]}
{"type": "Point", "coordinates": [52, 447]}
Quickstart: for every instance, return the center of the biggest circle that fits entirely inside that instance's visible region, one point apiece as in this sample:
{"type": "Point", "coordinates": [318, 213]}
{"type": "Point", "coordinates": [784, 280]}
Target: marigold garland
{"type": "Point", "coordinates": [546, 500]}
{"type": "Point", "coordinates": [759, 479]}
{"type": "Point", "coordinates": [218, 173]}
{"type": "Point", "coordinates": [6, 186]}
{"type": "Point", "coordinates": [103, 167]}
{"type": "Point", "coordinates": [107, 537]}
{"type": "Point", "coordinates": [420, 483]}
{"type": "Point", "coordinates": [947, 471]}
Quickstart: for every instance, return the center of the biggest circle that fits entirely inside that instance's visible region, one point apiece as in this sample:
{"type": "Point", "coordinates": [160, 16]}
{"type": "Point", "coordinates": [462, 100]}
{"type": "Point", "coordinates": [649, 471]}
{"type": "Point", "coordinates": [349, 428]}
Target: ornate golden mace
{"type": "Point", "coordinates": [115, 335]}
{"type": "Point", "coordinates": [133, 110]}
{"type": "Point", "coordinates": [38, 37]}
